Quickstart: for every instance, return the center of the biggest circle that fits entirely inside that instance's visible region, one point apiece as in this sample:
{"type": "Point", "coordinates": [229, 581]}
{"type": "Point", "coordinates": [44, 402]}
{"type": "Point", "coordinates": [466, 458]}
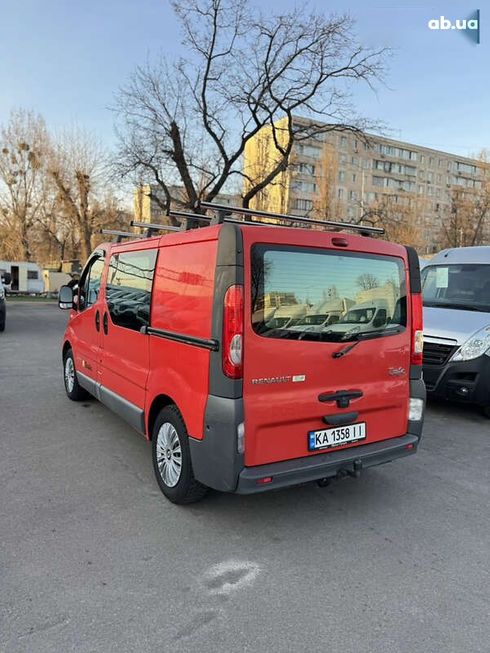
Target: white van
{"type": "Point", "coordinates": [284, 315]}
{"type": "Point", "coordinates": [456, 290]}
{"type": "Point", "coordinates": [322, 315]}
{"type": "Point", "coordinates": [366, 317]}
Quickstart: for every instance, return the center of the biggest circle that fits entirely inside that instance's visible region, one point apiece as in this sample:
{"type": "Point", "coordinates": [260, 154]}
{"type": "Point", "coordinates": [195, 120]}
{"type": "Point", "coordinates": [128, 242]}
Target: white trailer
{"type": "Point", "coordinates": [26, 277]}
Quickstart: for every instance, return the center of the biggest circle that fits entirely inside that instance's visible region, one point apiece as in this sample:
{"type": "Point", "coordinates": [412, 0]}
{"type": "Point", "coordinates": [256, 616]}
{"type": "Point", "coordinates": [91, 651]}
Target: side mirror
{"type": "Point", "coordinates": [65, 298]}
{"type": "Point", "coordinates": [379, 321]}
{"type": "Point", "coordinates": [6, 278]}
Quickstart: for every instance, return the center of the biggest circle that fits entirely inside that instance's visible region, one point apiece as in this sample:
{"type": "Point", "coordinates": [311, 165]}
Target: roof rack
{"type": "Point", "coordinates": [119, 235]}
{"type": "Point", "coordinates": [223, 212]}
{"type": "Point", "coordinates": [152, 228]}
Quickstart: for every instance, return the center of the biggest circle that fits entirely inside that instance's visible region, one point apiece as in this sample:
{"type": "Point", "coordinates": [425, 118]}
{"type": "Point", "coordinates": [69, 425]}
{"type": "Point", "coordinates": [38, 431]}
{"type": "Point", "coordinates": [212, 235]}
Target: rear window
{"type": "Point", "coordinates": [312, 294]}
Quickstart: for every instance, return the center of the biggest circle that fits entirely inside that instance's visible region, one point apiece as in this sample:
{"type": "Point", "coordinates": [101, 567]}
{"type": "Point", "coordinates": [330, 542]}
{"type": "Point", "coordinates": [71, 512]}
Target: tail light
{"type": "Point", "coordinates": [417, 330]}
{"type": "Point", "coordinates": [233, 332]}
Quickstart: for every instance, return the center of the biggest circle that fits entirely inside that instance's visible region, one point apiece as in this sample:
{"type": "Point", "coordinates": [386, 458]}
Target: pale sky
{"type": "Point", "coordinates": [65, 60]}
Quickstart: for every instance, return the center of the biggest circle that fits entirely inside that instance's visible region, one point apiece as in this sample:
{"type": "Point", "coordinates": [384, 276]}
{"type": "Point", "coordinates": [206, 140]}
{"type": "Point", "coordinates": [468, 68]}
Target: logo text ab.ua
{"type": "Point", "coordinates": [470, 26]}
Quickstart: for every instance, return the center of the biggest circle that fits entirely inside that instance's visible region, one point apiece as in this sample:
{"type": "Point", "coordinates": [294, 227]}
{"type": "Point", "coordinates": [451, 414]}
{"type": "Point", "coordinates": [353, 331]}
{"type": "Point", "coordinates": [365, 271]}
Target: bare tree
{"type": "Point", "coordinates": [77, 172]}
{"type": "Point", "coordinates": [399, 216]}
{"type": "Point", "coordinates": [23, 148]}
{"type": "Point", "coordinates": [189, 122]}
{"type": "Point", "coordinates": [467, 219]}
{"type": "Point", "coordinates": [367, 281]}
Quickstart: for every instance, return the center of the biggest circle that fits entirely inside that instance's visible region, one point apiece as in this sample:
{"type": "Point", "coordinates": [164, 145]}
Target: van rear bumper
{"type": "Point", "coordinates": [217, 463]}
{"type": "Point", "coordinates": [313, 468]}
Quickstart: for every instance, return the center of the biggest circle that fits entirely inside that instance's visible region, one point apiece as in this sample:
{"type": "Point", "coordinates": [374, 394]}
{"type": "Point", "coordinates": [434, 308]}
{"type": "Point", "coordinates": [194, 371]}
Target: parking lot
{"type": "Point", "coordinates": [94, 559]}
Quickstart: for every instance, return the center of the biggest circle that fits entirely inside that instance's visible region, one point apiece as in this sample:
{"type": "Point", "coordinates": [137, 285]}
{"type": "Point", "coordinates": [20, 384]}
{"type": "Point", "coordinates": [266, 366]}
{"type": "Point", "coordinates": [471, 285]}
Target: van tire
{"type": "Point", "coordinates": [73, 389]}
{"type": "Point", "coordinates": [486, 411]}
{"type": "Point", "coordinates": [2, 326]}
{"type": "Point", "coordinates": [169, 424]}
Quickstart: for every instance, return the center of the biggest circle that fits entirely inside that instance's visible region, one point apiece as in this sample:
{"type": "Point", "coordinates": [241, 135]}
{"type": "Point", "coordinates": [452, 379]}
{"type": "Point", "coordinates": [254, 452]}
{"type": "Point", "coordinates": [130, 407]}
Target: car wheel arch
{"type": "Point", "coordinates": [158, 403]}
{"type": "Point", "coordinates": [66, 347]}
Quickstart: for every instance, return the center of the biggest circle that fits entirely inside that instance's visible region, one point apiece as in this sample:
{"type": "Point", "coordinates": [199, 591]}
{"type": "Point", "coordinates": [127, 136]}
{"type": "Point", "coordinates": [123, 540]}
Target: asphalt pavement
{"type": "Point", "coordinates": [94, 559]}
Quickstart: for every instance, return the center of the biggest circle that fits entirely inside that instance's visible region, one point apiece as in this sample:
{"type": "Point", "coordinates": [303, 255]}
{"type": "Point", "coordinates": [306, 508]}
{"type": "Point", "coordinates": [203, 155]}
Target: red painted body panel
{"type": "Point", "coordinates": [124, 353]}
{"type": "Point", "coordinates": [278, 416]}
{"type": "Point", "coordinates": [84, 338]}
{"type": "Point", "coordinates": [182, 302]}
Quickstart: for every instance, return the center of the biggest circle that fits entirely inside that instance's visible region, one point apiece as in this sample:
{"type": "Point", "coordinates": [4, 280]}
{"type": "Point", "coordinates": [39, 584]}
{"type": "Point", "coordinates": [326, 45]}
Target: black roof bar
{"type": "Point", "coordinates": [224, 209]}
{"type": "Point", "coordinates": [207, 218]}
{"type": "Point", "coordinates": [151, 227]}
{"type": "Point", "coordinates": [186, 224]}
{"type": "Point", "coordinates": [194, 216]}
{"type": "Point", "coordinates": [119, 234]}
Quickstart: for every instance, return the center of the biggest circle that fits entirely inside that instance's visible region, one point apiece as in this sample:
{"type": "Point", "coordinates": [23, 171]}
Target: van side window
{"type": "Point", "coordinates": [90, 283]}
{"type": "Point", "coordinates": [128, 289]}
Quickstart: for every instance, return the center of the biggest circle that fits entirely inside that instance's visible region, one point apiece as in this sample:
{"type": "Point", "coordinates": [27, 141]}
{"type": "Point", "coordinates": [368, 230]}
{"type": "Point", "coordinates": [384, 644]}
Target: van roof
{"type": "Point", "coordinates": [462, 255]}
{"type": "Point", "coordinates": [374, 303]}
{"type": "Point", "coordinates": [267, 233]}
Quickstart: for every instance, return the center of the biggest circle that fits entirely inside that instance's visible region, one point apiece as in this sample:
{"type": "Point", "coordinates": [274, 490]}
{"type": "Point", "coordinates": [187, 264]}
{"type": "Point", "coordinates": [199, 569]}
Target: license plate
{"type": "Point", "coordinates": [336, 436]}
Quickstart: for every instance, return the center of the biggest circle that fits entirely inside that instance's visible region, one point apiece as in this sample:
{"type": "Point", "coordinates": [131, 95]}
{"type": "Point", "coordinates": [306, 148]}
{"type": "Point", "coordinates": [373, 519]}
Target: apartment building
{"type": "Point", "coordinates": [340, 175]}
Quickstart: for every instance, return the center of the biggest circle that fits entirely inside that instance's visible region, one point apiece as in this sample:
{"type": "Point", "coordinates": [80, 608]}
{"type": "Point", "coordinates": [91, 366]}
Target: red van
{"type": "Point", "coordinates": [176, 334]}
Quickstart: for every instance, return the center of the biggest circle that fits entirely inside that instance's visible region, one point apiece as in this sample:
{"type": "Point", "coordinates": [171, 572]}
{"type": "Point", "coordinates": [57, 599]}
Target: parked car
{"type": "Point", "coordinates": [4, 281]}
{"type": "Point", "coordinates": [169, 332]}
{"type": "Point", "coordinates": [456, 289]}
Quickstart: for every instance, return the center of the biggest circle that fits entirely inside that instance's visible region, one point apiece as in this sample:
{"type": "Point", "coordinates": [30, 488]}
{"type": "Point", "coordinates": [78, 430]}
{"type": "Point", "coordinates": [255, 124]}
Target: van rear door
{"type": "Point", "coordinates": [299, 383]}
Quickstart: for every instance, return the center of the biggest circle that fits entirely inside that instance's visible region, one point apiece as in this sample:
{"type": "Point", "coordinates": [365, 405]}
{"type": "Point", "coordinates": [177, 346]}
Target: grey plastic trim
{"type": "Point", "coordinates": [229, 271]}
{"type": "Point", "coordinates": [215, 459]}
{"type": "Point", "coordinates": [415, 372]}
{"type": "Point", "coordinates": [132, 414]}
{"type": "Point", "coordinates": [88, 384]}
{"type": "Point", "coordinates": [303, 470]}
{"type": "Point", "coordinates": [414, 270]}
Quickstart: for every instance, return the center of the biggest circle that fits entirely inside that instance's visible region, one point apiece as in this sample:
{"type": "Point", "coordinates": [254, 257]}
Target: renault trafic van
{"type": "Point", "coordinates": [169, 331]}
{"type": "Point", "coordinates": [456, 289]}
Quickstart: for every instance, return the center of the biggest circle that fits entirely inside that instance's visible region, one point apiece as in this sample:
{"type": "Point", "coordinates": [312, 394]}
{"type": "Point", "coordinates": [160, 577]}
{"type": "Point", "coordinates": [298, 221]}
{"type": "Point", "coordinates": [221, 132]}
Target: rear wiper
{"type": "Point", "coordinates": [366, 335]}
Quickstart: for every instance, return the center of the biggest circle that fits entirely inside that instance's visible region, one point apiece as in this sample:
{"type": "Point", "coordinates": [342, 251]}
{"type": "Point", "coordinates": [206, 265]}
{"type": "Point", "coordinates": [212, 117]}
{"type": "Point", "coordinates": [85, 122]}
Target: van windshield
{"type": "Point", "coordinates": [358, 316]}
{"type": "Point", "coordinates": [463, 287]}
{"type": "Point", "coordinates": [313, 319]}
{"type": "Point", "coordinates": [361, 292]}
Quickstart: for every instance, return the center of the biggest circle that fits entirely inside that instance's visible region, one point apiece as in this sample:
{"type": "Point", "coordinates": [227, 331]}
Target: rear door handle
{"type": "Point", "coordinates": [97, 320]}
{"type": "Point", "coordinates": [342, 397]}
{"type": "Point", "coordinates": [105, 323]}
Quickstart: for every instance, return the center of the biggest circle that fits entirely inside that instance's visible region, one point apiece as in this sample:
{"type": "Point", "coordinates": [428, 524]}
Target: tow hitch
{"type": "Point", "coordinates": [356, 468]}
{"type": "Point", "coordinates": [355, 472]}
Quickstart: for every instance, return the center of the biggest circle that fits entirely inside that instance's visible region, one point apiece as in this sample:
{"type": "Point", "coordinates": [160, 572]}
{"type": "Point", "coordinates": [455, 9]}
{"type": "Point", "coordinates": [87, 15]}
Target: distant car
{"type": "Point", "coordinates": [4, 281]}
{"type": "Point", "coordinates": [456, 290]}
